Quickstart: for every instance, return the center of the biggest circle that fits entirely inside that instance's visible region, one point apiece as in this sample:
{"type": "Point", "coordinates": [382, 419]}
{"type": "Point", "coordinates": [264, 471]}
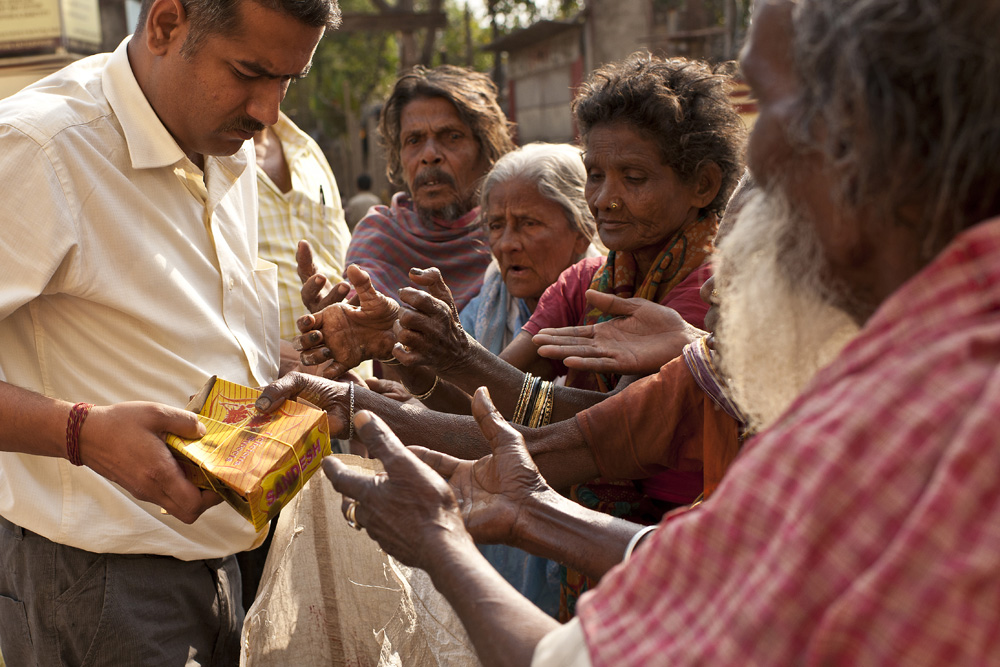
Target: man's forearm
{"type": "Point", "coordinates": [502, 624]}
{"type": "Point", "coordinates": [31, 423]}
{"type": "Point", "coordinates": [561, 530]}
{"type": "Point", "coordinates": [457, 435]}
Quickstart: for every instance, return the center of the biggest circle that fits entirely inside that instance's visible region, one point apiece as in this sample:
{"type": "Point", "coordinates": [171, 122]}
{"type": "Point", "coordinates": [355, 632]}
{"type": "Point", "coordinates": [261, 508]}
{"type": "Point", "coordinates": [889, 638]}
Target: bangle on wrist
{"type": "Point", "coordinates": [77, 414]}
{"type": "Point", "coordinates": [522, 399]}
{"type": "Point", "coordinates": [634, 542]}
{"type": "Point", "coordinates": [350, 412]}
{"type": "Point", "coordinates": [426, 394]}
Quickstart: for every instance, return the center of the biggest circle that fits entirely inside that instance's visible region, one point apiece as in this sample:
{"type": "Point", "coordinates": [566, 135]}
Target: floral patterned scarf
{"type": "Point", "coordinates": [685, 251]}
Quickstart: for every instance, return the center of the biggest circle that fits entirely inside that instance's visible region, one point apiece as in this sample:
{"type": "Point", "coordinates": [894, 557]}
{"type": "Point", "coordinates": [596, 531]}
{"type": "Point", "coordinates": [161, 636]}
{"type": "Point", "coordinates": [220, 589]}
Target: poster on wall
{"type": "Point", "coordinates": [30, 27]}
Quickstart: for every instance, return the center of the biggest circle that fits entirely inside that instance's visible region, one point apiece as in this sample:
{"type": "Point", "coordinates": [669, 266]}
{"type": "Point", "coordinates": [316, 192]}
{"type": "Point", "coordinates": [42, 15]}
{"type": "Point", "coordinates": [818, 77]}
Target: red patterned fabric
{"type": "Point", "coordinates": [391, 240]}
{"type": "Point", "coordinates": [864, 527]}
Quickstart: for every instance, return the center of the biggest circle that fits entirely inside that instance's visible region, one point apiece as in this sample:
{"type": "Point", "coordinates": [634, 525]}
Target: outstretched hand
{"type": "Point", "coordinates": [410, 510]}
{"type": "Point", "coordinates": [643, 336]}
{"type": "Point", "coordinates": [349, 334]}
{"type": "Point", "coordinates": [314, 282]}
{"type": "Point", "coordinates": [327, 395]}
{"type": "Point", "coordinates": [124, 443]}
{"type": "Point", "coordinates": [493, 491]}
{"type": "Point", "coordinates": [429, 332]}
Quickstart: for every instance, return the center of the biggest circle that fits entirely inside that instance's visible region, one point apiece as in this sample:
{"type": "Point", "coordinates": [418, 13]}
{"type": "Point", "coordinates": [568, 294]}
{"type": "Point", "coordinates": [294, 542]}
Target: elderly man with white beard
{"type": "Point", "coordinates": [862, 526]}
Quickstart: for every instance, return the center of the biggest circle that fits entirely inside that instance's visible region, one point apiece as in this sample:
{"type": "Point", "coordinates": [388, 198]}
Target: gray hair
{"type": "Point", "coordinates": [903, 96]}
{"type": "Point", "coordinates": [557, 171]}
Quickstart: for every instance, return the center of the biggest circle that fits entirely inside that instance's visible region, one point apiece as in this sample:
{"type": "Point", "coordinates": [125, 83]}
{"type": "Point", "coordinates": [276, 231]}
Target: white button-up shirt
{"type": "Point", "coordinates": [126, 273]}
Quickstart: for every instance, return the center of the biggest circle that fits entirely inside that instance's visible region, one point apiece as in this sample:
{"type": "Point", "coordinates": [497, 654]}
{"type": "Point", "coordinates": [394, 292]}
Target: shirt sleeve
{"type": "Point", "coordinates": [37, 219]}
{"type": "Point", "coordinates": [653, 424]}
{"type": "Point", "coordinates": [563, 647]}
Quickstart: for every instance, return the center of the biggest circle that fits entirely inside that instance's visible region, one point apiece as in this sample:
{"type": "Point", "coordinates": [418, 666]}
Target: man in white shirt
{"type": "Point", "coordinates": [130, 273]}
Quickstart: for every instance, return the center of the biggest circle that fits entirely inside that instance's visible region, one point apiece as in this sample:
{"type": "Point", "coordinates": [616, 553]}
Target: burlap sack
{"type": "Point", "coordinates": [330, 596]}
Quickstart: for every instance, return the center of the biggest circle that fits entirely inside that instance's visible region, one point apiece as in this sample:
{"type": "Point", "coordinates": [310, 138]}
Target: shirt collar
{"type": "Point", "coordinates": [150, 144]}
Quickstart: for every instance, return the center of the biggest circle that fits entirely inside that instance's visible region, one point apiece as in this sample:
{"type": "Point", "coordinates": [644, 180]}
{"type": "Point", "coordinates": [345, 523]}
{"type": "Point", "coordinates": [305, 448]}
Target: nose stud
{"type": "Point", "coordinates": [614, 206]}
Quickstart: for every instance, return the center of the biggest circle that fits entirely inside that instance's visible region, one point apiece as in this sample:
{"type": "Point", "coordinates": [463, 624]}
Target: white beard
{"type": "Point", "coordinates": [776, 324]}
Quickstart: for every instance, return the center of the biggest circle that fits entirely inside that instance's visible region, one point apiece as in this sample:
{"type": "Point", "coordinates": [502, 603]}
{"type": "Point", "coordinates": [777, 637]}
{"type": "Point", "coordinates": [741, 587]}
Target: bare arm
{"type": "Point", "coordinates": [122, 442]}
{"type": "Point", "coordinates": [414, 516]}
{"type": "Point", "coordinates": [560, 450]}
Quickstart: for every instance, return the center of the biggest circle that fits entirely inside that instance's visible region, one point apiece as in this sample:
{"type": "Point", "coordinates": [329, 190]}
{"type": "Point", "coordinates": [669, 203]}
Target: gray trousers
{"type": "Point", "coordinates": [66, 606]}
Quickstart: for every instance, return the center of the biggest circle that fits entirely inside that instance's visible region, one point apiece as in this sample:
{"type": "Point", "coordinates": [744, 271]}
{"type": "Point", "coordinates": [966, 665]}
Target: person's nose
{"type": "Point", "coordinates": [265, 100]}
{"type": "Point", "coordinates": [606, 196]}
{"type": "Point", "coordinates": [430, 152]}
{"type": "Point", "coordinates": [510, 239]}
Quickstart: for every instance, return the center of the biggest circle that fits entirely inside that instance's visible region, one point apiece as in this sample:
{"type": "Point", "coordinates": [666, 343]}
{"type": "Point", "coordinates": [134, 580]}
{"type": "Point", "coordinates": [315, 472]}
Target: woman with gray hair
{"type": "Point", "coordinates": [538, 224]}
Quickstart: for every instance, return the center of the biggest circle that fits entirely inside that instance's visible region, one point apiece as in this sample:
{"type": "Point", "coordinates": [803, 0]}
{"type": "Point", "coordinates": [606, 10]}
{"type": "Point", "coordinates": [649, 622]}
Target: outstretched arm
{"type": "Point", "coordinates": [430, 335]}
{"type": "Point", "coordinates": [504, 499]}
{"type": "Point", "coordinates": [415, 517]}
{"type": "Point", "coordinates": [643, 336]}
{"type": "Point", "coordinates": [560, 450]}
{"type": "Point", "coordinates": [122, 442]}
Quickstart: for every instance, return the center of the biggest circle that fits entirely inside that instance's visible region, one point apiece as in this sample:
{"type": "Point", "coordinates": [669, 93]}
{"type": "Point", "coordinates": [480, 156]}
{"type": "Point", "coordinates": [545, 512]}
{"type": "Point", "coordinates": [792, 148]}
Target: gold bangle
{"type": "Point", "coordinates": [550, 399]}
{"type": "Point", "coordinates": [522, 398]}
{"type": "Point", "coordinates": [427, 393]}
{"type": "Point", "coordinates": [543, 406]}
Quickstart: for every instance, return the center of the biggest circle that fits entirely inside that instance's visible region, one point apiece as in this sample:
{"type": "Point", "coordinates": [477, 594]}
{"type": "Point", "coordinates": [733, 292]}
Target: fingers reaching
{"type": "Point", "coordinates": [305, 265]}
{"type": "Point", "coordinates": [492, 424]}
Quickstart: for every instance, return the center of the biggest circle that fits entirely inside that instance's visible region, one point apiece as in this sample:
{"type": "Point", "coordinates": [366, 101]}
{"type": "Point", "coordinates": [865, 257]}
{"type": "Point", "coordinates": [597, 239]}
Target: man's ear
{"type": "Point", "coordinates": [708, 180]}
{"type": "Point", "coordinates": [166, 25]}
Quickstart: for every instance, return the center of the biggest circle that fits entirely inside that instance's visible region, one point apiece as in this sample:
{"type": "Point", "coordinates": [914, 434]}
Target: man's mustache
{"type": "Point", "coordinates": [433, 175]}
{"type": "Point", "coordinates": [243, 124]}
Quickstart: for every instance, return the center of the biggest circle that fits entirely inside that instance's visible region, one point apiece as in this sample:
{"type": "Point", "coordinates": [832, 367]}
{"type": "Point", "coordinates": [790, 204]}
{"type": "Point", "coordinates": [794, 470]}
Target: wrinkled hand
{"type": "Point", "coordinates": [429, 332]}
{"type": "Point", "coordinates": [332, 397]}
{"type": "Point", "coordinates": [124, 443]}
{"type": "Point", "coordinates": [643, 337]}
{"type": "Point", "coordinates": [493, 491]}
{"type": "Point", "coordinates": [314, 283]}
{"type": "Point", "coordinates": [349, 334]}
{"type": "Point", "coordinates": [410, 510]}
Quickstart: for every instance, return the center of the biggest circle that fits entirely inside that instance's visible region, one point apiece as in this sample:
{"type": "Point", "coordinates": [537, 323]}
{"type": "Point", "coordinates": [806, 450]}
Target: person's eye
{"type": "Point", "coordinates": [243, 76]}
{"type": "Point", "coordinates": [635, 179]}
{"type": "Point", "coordinates": [595, 176]}
{"type": "Point", "coordinates": [411, 140]}
{"type": "Point", "coordinates": [455, 136]}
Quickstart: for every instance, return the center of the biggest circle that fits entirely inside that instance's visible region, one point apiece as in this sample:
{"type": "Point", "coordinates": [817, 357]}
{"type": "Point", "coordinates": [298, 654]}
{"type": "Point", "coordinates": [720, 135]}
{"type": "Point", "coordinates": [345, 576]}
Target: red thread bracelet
{"type": "Point", "coordinates": [77, 414]}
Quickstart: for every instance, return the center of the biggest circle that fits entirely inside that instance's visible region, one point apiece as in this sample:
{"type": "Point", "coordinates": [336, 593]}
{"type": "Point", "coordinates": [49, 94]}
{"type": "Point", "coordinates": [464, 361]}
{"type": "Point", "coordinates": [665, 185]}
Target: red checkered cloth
{"type": "Point", "coordinates": [864, 527]}
{"type": "Point", "coordinates": [391, 240]}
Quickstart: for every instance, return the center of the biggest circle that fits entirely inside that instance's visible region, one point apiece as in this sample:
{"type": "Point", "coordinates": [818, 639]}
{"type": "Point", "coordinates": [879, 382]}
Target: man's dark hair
{"type": "Point", "coordinates": [364, 182]}
{"type": "Point", "coordinates": [220, 17]}
{"type": "Point", "coordinates": [683, 105]}
{"type": "Point", "coordinates": [475, 100]}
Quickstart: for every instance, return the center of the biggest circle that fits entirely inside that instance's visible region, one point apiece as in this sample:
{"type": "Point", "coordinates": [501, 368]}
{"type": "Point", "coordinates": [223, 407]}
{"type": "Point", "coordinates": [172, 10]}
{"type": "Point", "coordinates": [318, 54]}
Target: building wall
{"type": "Point", "coordinates": [543, 85]}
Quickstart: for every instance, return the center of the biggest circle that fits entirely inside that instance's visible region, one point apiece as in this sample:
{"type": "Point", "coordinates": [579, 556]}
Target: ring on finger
{"type": "Point", "coordinates": [351, 515]}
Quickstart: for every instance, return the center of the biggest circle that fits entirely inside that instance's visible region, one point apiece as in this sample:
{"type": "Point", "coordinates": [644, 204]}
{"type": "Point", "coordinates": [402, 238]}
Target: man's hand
{"type": "Point", "coordinates": [124, 443]}
{"type": "Point", "coordinates": [313, 282]}
{"type": "Point", "coordinates": [643, 337]}
{"type": "Point", "coordinates": [429, 332]}
{"type": "Point", "coordinates": [493, 491]}
{"type": "Point", "coordinates": [410, 511]}
{"type": "Point", "coordinates": [327, 395]}
{"type": "Point", "coordinates": [349, 334]}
